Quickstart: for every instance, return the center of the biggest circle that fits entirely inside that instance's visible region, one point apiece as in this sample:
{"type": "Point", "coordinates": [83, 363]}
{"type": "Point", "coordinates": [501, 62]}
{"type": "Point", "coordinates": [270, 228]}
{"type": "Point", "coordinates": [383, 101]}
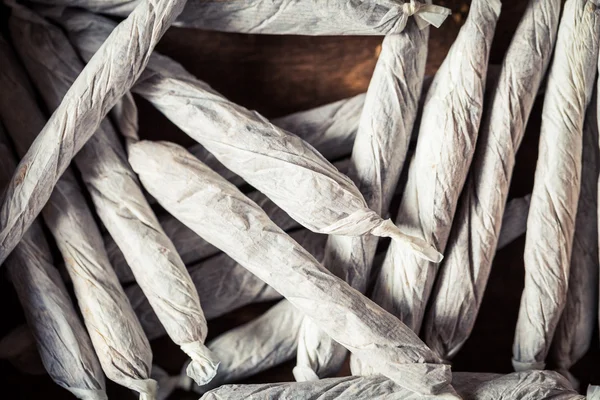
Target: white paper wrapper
{"type": "Point", "coordinates": [122, 349]}
{"type": "Point", "coordinates": [279, 164]}
{"type": "Point", "coordinates": [439, 168]}
{"type": "Point", "coordinates": [115, 67]}
{"type": "Point", "coordinates": [463, 276]}
{"type": "Point", "coordinates": [574, 331]}
{"type": "Point", "coordinates": [377, 159]}
{"type": "Point", "coordinates": [283, 336]}
{"type": "Point", "coordinates": [330, 129]}
{"type": "Point", "coordinates": [64, 346]}
{"type": "Point", "coordinates": [551, 220]}
{"type": "Point", "coordinates": [224, 285]}
{"type": "Point", "coordinates": [120, 203]}
{"type": "Point", "coordinates": [191, 247]}
{"type": "Point", "coordinates": [218, 211]}
{"type": "Point", "coordinates": [533, 385]}
{"type": "Point", "coordinates": [167, 383]}
{"type": "Point", "coordinates": [243, 354]}
{"type": "Point", "coordinates": [288, 17]}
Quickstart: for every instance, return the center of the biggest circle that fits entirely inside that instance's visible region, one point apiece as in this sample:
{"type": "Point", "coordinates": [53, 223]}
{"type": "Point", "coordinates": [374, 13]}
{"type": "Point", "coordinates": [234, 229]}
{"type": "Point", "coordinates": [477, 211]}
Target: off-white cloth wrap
{"type": "Point", "coordinates": [551, 220]}
{"type": "Point", "coordinates": [279, 164]}
{"type": "Point", "coordinates": [287, 17]}
{"type": "Point", "coordinates": [109, 74]}
{"type": "Point", "coordinates": [122, 349]}
{"type": "Point", "coordinates": [436, 174]}
{"type": "Point", "coordinates": [377, 159]}
{"type": "Point", "coordinates": [64, 346]}
{"type": "Point", "coordinates": [218, 211]}
{"type": "Point", "coordinates": [461, 281]}
{"type": "Point", "coordinates": [577, 322]}
{"type": "Point", "coordinates": [115, 191]}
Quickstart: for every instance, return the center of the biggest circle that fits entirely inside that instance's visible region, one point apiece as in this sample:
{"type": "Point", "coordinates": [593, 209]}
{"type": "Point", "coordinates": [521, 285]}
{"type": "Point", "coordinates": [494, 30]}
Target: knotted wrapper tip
{"type": "Point", "coordinates": [304, 374]}
{"type": "Point", "coordinates": [88, 394]}
{"type": "Point", "coordinates": [203, 367]}
{"type": "Point", "coordinates": [145, 387]}
{"type": "Point", "coordinates": [424, 14]}
{"type": "Point", "coordinates": [520, 366]}
{"type": "Point", "coordinates": [167, 384]}
{"type": "Point", "coordinates": [418, 246]}
{"type": "Point", "coordinates": [593, 392]}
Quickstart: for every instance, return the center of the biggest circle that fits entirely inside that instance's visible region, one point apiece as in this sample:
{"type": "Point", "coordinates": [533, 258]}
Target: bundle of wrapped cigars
{"type": "Point", "coordinates": [155, 238]}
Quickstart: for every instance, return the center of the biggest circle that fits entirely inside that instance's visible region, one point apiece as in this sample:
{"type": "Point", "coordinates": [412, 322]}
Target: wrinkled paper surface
{"type": "Point", "coordinates": [461, 282]}
{"type": "Point", "coordinates": [551, 220]}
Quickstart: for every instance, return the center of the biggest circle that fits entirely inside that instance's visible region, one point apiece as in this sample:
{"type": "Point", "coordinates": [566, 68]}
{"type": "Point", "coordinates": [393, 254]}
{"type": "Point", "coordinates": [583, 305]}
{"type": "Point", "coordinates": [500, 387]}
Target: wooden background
{"type": "Point", "coordinates": [276, 75]}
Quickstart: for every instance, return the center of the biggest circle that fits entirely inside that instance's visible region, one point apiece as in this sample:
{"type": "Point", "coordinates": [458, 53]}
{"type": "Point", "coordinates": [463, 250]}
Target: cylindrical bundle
{"type": "Point", "coordinates": [218, 211]}
{"type": "Point", "coordinates": [527, 385]}
{"type": "Point", "coordinates": [330, 129]}
{"type": "Point", "coordinates": [593, 392]}
{"type": "Point", "coordinates": [436, 174]}
{"type": "Point", "coordinates": [279, 164]}
{"type": "Point", "coordinates": [463, 275]}
{"type": "Point", "coordinates": [64, 346]}
{"type": "Point", "coordinates": [237, 287]}
{"type": "Point", "coordinates": [109, 74]}
{"type": "Point", "coordinates": [287, 17]}
{"type": "Point", "coordinates": [205, 273]}
{"type": "Point", "coordinates": [118, 198]}
{"type": "Point", "coordinates": [117, 337]}
{"type": "Point", "coordinates": [223, 284]}
{"type": "Point", "coordinates": [551, 219]}
{"type": "Point", "coordinates": [534, 385]}
{"type": "Point", "coordinates": [574, 331]}
{"type": "Point", "coordinates": [191, 247]}
{"type": "Point", "coordinates": [378, 156]}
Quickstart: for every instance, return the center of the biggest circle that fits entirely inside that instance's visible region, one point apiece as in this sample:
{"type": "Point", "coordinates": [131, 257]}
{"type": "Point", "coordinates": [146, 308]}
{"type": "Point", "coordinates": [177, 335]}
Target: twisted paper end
{"type": "Point", "coordinates": [168, 383]}
{"type": "Point", "coordinates": [203, 367]}
{"type": "Point", "coordinates": [420, 247]}
{"type": "Point", "coordinates": [145, 387]}
{"type": "Point", "coordinates": [88, 394]}
{"type": "Point", "coordinates": [426, 14]}
{"type": "Point", "coordinates": [593, 392]}
{"type": "Point", "coordinates": [304, 374]}
{"type": "Point", "coordinates": [520, 366]}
